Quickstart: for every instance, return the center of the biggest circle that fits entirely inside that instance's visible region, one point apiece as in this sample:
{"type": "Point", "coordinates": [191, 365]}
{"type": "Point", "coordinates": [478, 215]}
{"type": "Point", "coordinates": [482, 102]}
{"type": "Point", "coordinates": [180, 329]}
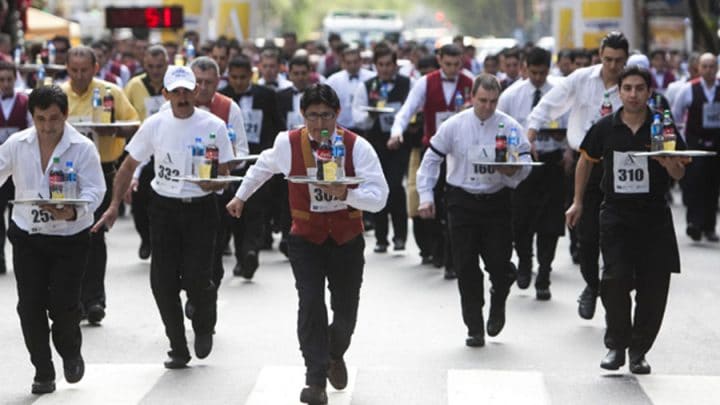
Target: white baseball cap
{"type": "Point", "coordinates": [179, 76]}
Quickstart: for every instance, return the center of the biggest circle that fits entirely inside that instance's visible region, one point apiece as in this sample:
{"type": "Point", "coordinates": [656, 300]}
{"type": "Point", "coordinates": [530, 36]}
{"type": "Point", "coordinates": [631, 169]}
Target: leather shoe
{"type": "Point", "coordinates": [693, 232]}
{"type": "Point", "coordinates": [313, 395]}
{"type": "Point", "coordinates": [380, 248]}
{"type": "Point", "coordinates": [638, 365]}
{"type": "Point", "coordinates": [398, 244]}
{"type": "Point", "coordinates": [337, 374]}
{"type": "Point", "coordinates": [237, 270]}
{"type": "Point", "coordinates": [496, 319]}
{"type": "Point", "coordinates": [449, 274]}
{"type": "Point", "coordinates": [145, 250]}
{"type": "Point", "coordinates": [523, 279]}
{"type": "Point", "coordinates": [543, 294]}
{"type": "Point", "coordinates": [426, 260]}
{"type": "Point", "coordinates": [189, 310]}
{"type": "Point", "coordinates": [475, 340]}
{"type": "Point", "coordinates": [203, 345]}
{"type": "Point", "coordinates": [587, 302]}
{"type": "Point", "coordinates": [74, 369]}
{"type": "Point", "coordinates": [614, 359]}
{"type": "Point", "coordinates": [43, 387]}
{"type": "Point", "coordinates": [95, 314]}
{"type": "Point", "coordinates": [711, 236]}
{"type": "Point", "coordinates": [175, 362]}
{"type": "Point", "coordinates": [249, 265]}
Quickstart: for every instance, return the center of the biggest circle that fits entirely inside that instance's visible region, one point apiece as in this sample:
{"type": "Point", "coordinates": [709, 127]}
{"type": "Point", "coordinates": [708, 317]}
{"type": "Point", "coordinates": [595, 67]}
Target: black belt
{"type": "Point", "coordinates": [109, 167]}
{"type": "Point", "coordinates": [502, 194]}
{"type": "Point", "coordinates": [185, 200]}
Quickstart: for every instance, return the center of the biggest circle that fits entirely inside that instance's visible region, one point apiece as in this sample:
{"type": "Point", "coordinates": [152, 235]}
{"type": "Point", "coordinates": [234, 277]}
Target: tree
{"type": "Point", "coordinates": [704, 17]}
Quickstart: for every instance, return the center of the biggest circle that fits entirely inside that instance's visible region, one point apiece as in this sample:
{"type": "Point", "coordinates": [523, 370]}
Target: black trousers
{"type": "Point", "coordinates": [249, 230]}
{"type": "Point", "coordinates": [589, 230]}
{"type": "Point", "coordinates": [48, 272]}
{"type": "Point", "coordinates": [342, 266]}
{"type": "Point", "coordinates": [394, 165]}
{"type": "Point", "coordinates": [183, 239]}
{"type": "Point", "coordinates": [223, 235]}
{"type": "Point", "coordinates": [480, 225]}
{"type": "Point", "coordinates": [701, 187]}
{"type": "Point", "coordinates": [93, 283]}
{"type": "Point", "coordinates": [141, 202]}
{"type": "Point", "coordinates": [640, 252]}
{"type": "Point", "coordinates": [7, 193]}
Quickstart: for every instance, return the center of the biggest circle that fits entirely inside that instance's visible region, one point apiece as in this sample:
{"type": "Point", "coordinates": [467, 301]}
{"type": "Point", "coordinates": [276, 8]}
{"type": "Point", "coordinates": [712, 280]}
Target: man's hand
{"type": "Point", "coordinates": [107, 220]}
{"type": "Point", "coordinates": [507, 170]}
{"type": "Point", "coordinates": [338, 191]}
{"type": "Point", "coordinates": [235, 207]}
{"type": "Point", "coordinates": [133, 188]}
{"type": "Point", "coordinates": [572, 215]}
{"type": "Point", "coordinates": [671, 162]}
{"type": "Point", "coordinates": [426, 210]}
{"type": "Point", "coordinates": [60, 213]}
{"type": "Point", "coordinates": [395, 141]}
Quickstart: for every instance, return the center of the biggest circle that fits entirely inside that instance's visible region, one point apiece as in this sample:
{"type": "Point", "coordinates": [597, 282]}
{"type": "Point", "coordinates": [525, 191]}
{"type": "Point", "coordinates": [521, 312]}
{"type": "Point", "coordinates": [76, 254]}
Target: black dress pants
{"type": "Point", "coordinates": [141, 202]}
{"type": "Point", "coordinates": [701, 186]}
{"type": "Point", "coordinates": [589, 229]}
{"type": "Point", "coordinates": [394, 164]}
{"type": "Point", "coordinates": [93, 284]}
{"type": "Point", "coordinates": [342, 266]}
{"type": "Point", "coordinates": [48, 272]}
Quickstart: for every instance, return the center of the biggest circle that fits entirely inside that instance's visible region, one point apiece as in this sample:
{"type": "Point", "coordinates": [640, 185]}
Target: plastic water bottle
{"type": "Point", "coordinates": [71, 186]}
{"type": "Point", "coordinates": [212, 153]}
{"type": "Point", "coordinates": [338, 154]}
{"type": "Point", "coordinates": [40, 72]}
{"type": "Point", "coordinates": [501, 154]}
{"type": "Point", "coordinates": [459, 101]}
{"type": "Point", "coordinates": [17, 55]}
{"type": "Point", "coordinates": [382, 101]}
{"type": "Point", "coordinates": [51, 52]}
{"type": "Point", "coordinates": [198, 153]}
{"type": "Point", "coordinates": [56, 180]}
{"type": "Point", "coordinates": [232, 136]}
{"type": "Point", "coordinates": [656, 134]}
{"type": "Point", "coordinates": [513, 145]}
{"type": "Point", "coordinates": [189, 52]}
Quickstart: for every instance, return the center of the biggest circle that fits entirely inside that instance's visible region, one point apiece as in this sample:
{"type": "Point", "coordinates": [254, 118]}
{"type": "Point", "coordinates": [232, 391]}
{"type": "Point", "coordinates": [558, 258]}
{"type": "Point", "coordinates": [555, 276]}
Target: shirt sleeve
{"type": "Point", "coordinates": [271, 161]}
{"type": "Point", "coordinates": [372, 194]}
{"type": "Point", "coordinates": [682, 102]}
{"type": "Point", "coordinates": [361, 118]}
{"type": "Point", "coordinates": [413, 102]}
{"type": "Point", "coordinates": [238, 123]}
{"type": "Point", "coordinates": [591, 146]}
{"type": "Point", "coordinates": [6, 163]}
{"type": "Point", "coordinates": [429, 170]}
{"type": "Point", "coordinates": [140, 146]}
{"type": "Point", "coordinates": [552, 105]}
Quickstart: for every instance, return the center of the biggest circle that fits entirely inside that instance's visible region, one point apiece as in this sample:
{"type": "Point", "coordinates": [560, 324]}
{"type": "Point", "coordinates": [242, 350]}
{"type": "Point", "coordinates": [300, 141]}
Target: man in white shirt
{"type": "Point", "coordinates": [183, 214]}
{"type": "Point", "coordinates": [326, 240]}
{"type": "Point", "coordinates": [345, 84]}
{"type": "Point", "coordinates": [51, 242]}
{"type": "Point", "coordinates": [539, 201]}
{"type": "Point", "coordinates": [478, 203]}
{"type": "Point", "coordinates": [582, 95]}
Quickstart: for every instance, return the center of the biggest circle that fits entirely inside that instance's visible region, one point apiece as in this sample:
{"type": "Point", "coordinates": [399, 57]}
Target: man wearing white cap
{"type": "Point", "coordinates": [183, 216]}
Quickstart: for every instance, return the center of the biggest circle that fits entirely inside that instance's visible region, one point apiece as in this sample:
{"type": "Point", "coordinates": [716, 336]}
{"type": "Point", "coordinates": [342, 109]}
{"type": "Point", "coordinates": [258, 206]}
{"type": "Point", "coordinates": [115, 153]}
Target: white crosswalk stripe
{"type": "Point", "coordinates": [489, 387]}
{"type": "Point", "coordinates": [280, 385]}
{"type": "Point", "coordinates": [681, 389]}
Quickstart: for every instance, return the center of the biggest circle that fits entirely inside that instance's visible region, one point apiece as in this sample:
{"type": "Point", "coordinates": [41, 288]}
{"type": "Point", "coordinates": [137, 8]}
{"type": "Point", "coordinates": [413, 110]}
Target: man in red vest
{"type": "Point", "coordinates": [326, 240]}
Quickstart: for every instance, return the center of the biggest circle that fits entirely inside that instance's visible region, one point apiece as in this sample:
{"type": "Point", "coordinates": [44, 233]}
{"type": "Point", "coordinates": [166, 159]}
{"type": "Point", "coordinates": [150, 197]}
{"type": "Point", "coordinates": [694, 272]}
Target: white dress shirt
{"type": "Point", "coordinates": [345, 89]}
{"type": "Point", "coordinates": [370, 196]}
{"type": "Point", "coordinates": [673, 90]}
{"type": "Point", "coordinates": [580, 93]}
{"type": "Point", "coordinates": [20, 158]}
{"type": "Point", "coordinates": [685, 98]}
{"type": "Point", "coordinates": [465, 140]}
{"type": "Point", "coordinates": [416, 99]}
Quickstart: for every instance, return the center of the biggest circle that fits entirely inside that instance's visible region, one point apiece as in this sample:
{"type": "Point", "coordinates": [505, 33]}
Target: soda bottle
{"type": "Point", "coordinates": [108, 104]}
{"type": "Point", "coordinates": [51, 52]}
{"type": "Point", "coordinates": [669, 135]}
{"type": "Point", "coordinates": [212, 153]}
{"type": "Point", "coordinates": [198, 153]}
{"type": "Point", "coordinates": [656, 134]}
{"type": "Point", "coordinates": [459, 101]}
{"type": "Point", "coordinates": [513, 145]}
{"type": "Point", "coordinates": [70, 189]}
{"type": "Point", "coordinates": [56, 180]}
{"type": "Point", "coordinates": [606, 105]}
{"type": "Point", "coordinates": [324, 156]}
{"type": "Point", "coordinates": [383, 96]}
{"type": "Point", "coordinates": [97, 107]}
{"type": "Point", "coordinates": [501, 144]}
{"type": "Point", "coordinates": [338, 154]}
{"type": "Point", "coordinates": [232, 136]}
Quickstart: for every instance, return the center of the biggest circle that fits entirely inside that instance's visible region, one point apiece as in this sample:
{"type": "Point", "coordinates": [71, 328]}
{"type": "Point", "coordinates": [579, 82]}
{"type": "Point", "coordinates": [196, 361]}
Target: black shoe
{"type": "Point", "coordinates": [380, 248]}
{"type": "Point", "coordinates": [693, 232]}
{"type": "Point", "coordinates": [145, 250]}
{"type": "Point", "coordinates": [475, 340]}
{"type": "Point", "coordinates": [438, 261]}
{"type": "Point", "coordinates": [587, 302]}
{"type": "Point", "coordinates": [237, 270]}
{"type": "Point", "coordinates": [74, 369]}
{"type": "Point", "coordinates": [189, 309]}
{"type": "Point", "coordinates": [426, 260]}
{"type": "Point", "coordinates": [95, 314]}
{"type": "Point", "coordinates": [283, 247]}
{"type": "Point", "coordinates": [523, 279]}
{"type": "Point", "coordinates": [449, 274]}
{"type": "Point", "coordinates": [613, 360]}
{"type": "Point", "coordinates": [337, 374]}
{"type": "Point", "coordinates": [496, 319]}
{"type": "Point", "coordinates": [638, 365]}
{"type": "Point", "coordinates": [313, 395]}
{"type": "Point", "coordinates": [175, 362]}
{"type": "Point", "coordinates": [203, 345]}
{"type": "Point", "coordinates": [543, 294]}
{"type": "Point", "coordinates": [711, 236]}
{"type": "Point", "coordinates": [398, 244]}
{"type": "Point", "coordinates": [43, 387]}
{"type": "Point", "coordinates": [249, 265]}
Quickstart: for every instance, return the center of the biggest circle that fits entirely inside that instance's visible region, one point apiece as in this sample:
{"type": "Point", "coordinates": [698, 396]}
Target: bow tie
{"type": "Point", "coordinates": [386, 82]}
{"type": "Point", "coordinates": [447, 79]}
{"type": "Point", "coordinates": [272, 84]}
{"type": "Point", "coordinates": [354, 77]}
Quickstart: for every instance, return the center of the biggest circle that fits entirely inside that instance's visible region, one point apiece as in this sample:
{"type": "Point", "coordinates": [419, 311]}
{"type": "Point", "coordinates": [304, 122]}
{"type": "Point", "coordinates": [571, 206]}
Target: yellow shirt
{"type": "Point", "coordinates": [137, 91]}
{"type": "Point", "coordinates": [80, 109]}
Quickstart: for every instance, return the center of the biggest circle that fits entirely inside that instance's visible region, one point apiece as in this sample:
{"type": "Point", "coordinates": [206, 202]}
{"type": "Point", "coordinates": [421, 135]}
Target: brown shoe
{"type": "Point", "coordinates": [313, 395]}
{"type": "Point", "coordinates": [337, 374]}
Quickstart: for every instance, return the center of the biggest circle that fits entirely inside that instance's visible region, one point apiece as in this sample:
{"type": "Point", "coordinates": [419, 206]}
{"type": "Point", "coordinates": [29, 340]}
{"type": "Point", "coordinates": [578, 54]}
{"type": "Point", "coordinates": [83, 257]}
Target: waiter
{"type": "Point", "coordinates": [183, 215]}
{"type": "Point", "coordinates": [637, 237]}
{"type": "Point", "coordinates": [478, 203]}
{"type": "Point", "coordinates": [50, 244]}
{"type": "Point", "coordinates": [326, 240]}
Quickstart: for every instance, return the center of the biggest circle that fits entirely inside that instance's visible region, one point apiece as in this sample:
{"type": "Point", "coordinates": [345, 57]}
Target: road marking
{"type": "Point", "coordinates": [680, 389]}
{"type": "Point", "coordinates": [279, 385]}
{"type": "Point", "coordinates": [106, 384]}
{"type": "Point", "coordinates": [489, 387]}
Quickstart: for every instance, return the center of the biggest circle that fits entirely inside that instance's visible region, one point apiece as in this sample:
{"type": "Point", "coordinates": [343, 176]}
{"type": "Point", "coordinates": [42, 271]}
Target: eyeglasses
{"type": "Point", "coordinates": [326, 116]}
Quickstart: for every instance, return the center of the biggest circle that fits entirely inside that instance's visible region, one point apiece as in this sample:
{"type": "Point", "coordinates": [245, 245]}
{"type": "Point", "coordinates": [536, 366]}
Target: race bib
{"type": "Point", "coordinates": [5, 133]}
{"type": "Point", "coordinates": [253, 125]}
{"type": "Point", "coordinates": [153, 104]}
{"type": "Point", "coordinates": [386, 119]}
{"type": "Point", "coordinates": [475, 171]}
{"type": "Point", "coordinates": [321, 201]}
{"type": "Point", "coordinates": [630, 173]}
{"type": "Point", "coordinates": [711, 115]}
{"type": "Point", "coordinates": [168, 165]}
{"type": "Point", "coordinates": [442, 116]}
{"type": "Point", "coordinates": [38, 220]}
{"type": "Point", "coordinates": [294, 120]}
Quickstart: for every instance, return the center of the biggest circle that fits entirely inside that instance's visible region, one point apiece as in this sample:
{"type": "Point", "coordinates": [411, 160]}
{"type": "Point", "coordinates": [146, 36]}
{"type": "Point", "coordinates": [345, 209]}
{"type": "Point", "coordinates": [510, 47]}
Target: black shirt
{"type": "Point", "coordinates": [610, 140]}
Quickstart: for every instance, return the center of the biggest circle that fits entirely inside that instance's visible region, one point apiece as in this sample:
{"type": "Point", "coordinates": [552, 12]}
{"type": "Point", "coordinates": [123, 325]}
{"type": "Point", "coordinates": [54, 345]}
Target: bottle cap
{"type": "Point", "coordinates": [212, 135]}
{"type": "Point", "coordinates": [56, 159]}
{"type": "Point", "coordinates": [69, 163]}
{"type": "Point", "coordinates": [198, 139]}
{"type": "Point", "coordinates": [324, 133]}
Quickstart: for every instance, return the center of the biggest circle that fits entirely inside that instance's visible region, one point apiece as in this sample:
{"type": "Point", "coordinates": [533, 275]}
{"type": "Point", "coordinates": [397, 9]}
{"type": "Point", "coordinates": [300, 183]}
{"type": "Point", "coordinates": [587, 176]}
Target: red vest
{"type": "Point", "coordinates": [111, 77]}
{"type": "Point", "coordinates": [435, 100]}
{"type": "Point", "coordinates": [342, 226]}
{"type": "Point", "coordinates": [18, 115]}
{"type": "Point", "coordinates": [220, 106]}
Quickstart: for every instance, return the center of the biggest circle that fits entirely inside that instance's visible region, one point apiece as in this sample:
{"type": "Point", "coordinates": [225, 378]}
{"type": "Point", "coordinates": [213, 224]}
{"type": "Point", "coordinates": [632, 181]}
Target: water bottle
{"type": "Point", "coordinates": [383, 96]}
{"type": "Point", "coordinates": [40, 72]}
{"type": "Point", "coordinates": [338, 154]}
{"type": "Point", "coordinates": [212, 153]}
{"type": "Point", "coordinates": [198, 153]}
{"type": "Point", "coordinates": [97, 107]}
{"type": "Point", "coordinates": [17, 55]}
{"type": "Point", "coordinates": [606, 107]}
{"type": "Point", "coordinates": [669, 135]}
{"type": "Point", "coordinates": [51, 53]}
{"type": "Point", "coordinates": [71, 186]}
{"type": "Point", "coordinates": [513, 145]}
{"type": "Point", "coordinates": [324, 164]}
{"type": "Point", "coordinates": [56, 180]}
{"type": "Point", "coordinates": [459, 101]}
{"type": "Point", "coordinates": [656, 134]}
{"type": "Point", "coordinates": [651, 104]}
{"type": "Point", "coordinates": [501, 144]}
{"type": "Point", "coordinates": [232, 136]}
{"type": "Point", "coordinates": [189, 52]}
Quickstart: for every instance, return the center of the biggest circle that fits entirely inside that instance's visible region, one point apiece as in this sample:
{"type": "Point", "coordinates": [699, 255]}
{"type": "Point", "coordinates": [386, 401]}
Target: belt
{"type": "Point", "coordinates": [503, 193]}
{"type": "Point", "coordinates": [185, 200]}
{"type": "Point", "coordinates": [109, 167]}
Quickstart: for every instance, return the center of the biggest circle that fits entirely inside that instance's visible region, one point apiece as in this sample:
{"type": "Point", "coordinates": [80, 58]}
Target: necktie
{"type": "Point", "coordinates": [536, 97]}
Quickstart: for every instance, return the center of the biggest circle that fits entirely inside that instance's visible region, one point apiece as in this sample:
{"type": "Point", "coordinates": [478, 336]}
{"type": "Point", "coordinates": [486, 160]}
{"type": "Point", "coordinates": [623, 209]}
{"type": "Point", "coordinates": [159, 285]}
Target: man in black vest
{"type": "Point", "coordinates": [701, 184]}
{"type": "Point", "coordinates": [386, 90]}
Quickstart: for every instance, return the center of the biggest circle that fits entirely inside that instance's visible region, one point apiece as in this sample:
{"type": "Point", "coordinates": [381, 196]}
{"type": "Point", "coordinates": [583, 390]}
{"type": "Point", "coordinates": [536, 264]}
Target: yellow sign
{"type": "Point", "coordinates": [602, 9]}
{"type": "Point", "coordinates": [591, 39]}
{"type": "Point", "coordinates": [233, 16]}
{"type": "Point", "coordinates": [566, 34]}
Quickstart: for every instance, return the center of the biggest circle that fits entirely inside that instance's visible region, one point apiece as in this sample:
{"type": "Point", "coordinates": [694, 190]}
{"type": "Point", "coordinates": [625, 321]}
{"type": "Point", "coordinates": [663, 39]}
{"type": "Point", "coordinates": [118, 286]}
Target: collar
{"type": "Point", "coordinates": [353, 75]}
{"type": "Point", "coordinates": [444, 77]}
{"type": "Point", "coordinates": [149, 87]}
{"type": "Point", "coordinates": [705, 86]}
{"type": "Point", "coordinates": [70, 136]}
